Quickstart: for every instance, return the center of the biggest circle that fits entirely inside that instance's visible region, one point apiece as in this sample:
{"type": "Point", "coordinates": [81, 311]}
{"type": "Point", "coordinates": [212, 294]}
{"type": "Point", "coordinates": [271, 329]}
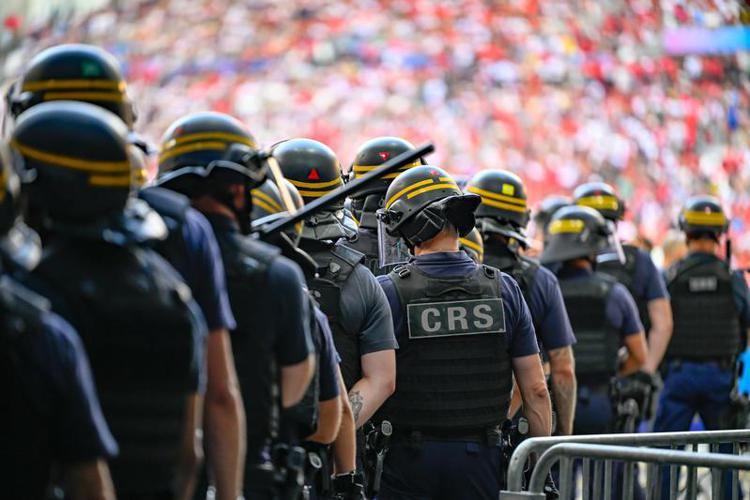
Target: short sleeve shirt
{"type": "Point", "coordinates": [520, 331]}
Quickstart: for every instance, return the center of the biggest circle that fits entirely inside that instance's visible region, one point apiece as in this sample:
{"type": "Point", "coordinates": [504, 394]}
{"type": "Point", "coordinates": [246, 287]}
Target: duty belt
{"type": "Point", "coordinates": [491, 436]}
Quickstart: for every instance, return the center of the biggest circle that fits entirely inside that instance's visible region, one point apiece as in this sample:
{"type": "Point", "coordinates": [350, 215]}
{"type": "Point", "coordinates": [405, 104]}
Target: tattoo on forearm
{"type": "Point", "coordinates": [357, 402]}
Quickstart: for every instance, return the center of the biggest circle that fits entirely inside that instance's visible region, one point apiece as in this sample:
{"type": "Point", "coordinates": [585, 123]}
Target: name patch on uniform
{"type": "Point", "coordinates": [703, 284]}
{"type": "Point", "coordinates": [461, 317]}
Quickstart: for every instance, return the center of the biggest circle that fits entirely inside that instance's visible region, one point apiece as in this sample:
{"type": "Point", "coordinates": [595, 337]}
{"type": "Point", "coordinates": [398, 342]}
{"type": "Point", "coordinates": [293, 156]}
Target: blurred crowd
{"type": "Point", "coordinates": [560, 92]}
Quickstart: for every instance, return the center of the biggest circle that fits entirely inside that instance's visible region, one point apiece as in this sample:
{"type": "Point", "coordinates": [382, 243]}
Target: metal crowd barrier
{"type": "Point", "coordinates": [628, 448]}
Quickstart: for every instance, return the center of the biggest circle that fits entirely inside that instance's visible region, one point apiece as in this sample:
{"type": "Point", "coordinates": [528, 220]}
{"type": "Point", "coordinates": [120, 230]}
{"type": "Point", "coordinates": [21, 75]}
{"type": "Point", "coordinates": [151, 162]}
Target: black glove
{"type": "Point", "coordinates": [349, 486]}
{"type": "Point", "coordinates": [550, 489]}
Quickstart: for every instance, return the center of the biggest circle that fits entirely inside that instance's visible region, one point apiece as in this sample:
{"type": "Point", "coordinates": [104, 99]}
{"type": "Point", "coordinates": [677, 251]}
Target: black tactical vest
{"type": "Point", "coordinates": [522, 269]}
{"type": "Point", "coordinates": [454, 370]}
{"type": "Point", "coordinates": [597, 339]}
{"type": "Point", "coordinates": [246, 264]}
{"type": "Point", "coordinates": [172, 207]}
{"type": "Point", "coordinates": [625, 274]}
{"type": "Point", "coordinates": [335, 264]}
{"type": "Point", "coordinates": [140, 326]}
{"type": "Point", "coordinates": [706, 320]}
{"type": "Point", "coordinates": [28, 399]}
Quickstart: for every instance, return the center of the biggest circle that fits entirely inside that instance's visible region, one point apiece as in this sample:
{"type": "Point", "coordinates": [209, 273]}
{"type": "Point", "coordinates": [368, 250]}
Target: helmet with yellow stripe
{"type": "Point", "coordinates": [268, 206]}
{"type": "Point", "coordinates": [503, 209]}
{"type": "Point", "coordinates": [422, 200]}
{"type": "Point", "coordinates": [374, 153]}
{"type": "Point", "coordinates": [473, 245]}
{"type": "Point", "coordinates": [703, 216]}
{"type": "Point", "coordinates": [74, 72]}
{"type": "Point", "coordinates": [601, 197]}
{"type": "Point", "coordinates": [201, 145]}
{"type": "Point", "coordinates": [80, 158]}
{"type": "Point", "coordinates": [577, 232]}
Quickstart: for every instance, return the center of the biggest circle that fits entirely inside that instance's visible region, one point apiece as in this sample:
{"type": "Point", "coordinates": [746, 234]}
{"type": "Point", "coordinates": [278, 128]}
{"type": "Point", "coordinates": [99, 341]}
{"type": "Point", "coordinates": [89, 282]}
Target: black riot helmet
{"type": "Point", "coordinates": [547, 208]}
{"type": "Point", "coordinates": [703, 217]}
{"type": "Point", "coordinates": [313, 168]}
{"type": "Point", "coordinates": [374, 153]}
{"type": "Point", "coordinates": [268, 206]}
{"type": "Point", "coordinates": [577, 232]}
{"type": "Point", "coordinates": [78, 156]}
{"type": "Point", "coordinates": [601, 197]}
{"type": "Point", "coordinates": [420, 201]}
{"type": "Point", "coordinates": [473, 245]}
{"type": "Point", "coordinates": [503, 209]}
{"type": "Point", "coordinates": [205, 153]}
{"type": "Point", "coordinates": [74, 72]}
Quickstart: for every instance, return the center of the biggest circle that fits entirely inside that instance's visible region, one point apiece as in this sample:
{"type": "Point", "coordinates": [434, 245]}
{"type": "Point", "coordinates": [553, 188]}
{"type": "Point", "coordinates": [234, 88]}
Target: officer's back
{"type": "Point", "coordinates": [142, 330]}
{"type": "Point", "coordinates": [463, 331]}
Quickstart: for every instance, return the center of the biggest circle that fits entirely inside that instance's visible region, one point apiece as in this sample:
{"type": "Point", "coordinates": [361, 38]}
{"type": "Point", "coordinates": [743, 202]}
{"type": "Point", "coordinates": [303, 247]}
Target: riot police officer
{"type": "Point", "coordinates": [213, 159]}
{"type": "Point", "coordinates": [601, 311]}
{"type": "Point", "coordinates": [367, 201]}
{"type": "Point", "coordinates": [49, 412]}
{"type": "Point", "coordinates": [345, 289]}
{"type": "Point", "coordinates": [460, 326]}
{"type": "Point", "coordinates": [711, 319]}
{"type": "Point", "coordinates": [541, 217]}
{"type": "Point", "coordinates": [91, 74]}
{"type": "Point", "coordinates": [638, 273]}
{"type": "Point", "coordinates": [324, 415]}
{"type": "Point", "coordinates": [502, 217]}
{"type": "Point", "coordinates": [128, 305]}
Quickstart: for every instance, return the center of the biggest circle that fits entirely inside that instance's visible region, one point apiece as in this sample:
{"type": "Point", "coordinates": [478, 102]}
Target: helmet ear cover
{"type": "Point", "coordinates": [423, 226]}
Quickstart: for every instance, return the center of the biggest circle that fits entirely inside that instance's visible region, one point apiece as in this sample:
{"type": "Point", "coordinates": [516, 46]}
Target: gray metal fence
{"type": "Point", "coordinates": [596, 450]}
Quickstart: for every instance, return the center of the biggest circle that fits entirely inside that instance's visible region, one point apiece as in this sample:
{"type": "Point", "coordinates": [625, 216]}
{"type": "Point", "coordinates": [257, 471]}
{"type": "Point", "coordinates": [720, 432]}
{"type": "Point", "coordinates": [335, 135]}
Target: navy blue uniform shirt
{"type": "Point", "coordinates": [622, 313]}
{"type": "Point", "coordinates": [648, 282]}
{"type": "Point", "coordinates": [329, 359]}
{"type": "Point", "coordinates": [521, 335]}
{"type": "Point", "coordinates": [205, 272]}
{"type": "Point", "coordinates": [61, 419]}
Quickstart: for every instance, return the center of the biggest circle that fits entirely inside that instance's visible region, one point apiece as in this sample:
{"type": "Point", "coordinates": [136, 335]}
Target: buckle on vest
{"type": "Point", "coordinates": [403, 272]}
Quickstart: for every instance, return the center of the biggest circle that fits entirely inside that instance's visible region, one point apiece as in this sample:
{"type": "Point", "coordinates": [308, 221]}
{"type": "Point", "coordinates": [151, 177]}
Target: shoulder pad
{"type": "Point", "coordinates": [490, 272]}
{"type": "Point", "coordinates": [166, 202]}
{"type": "Point", "coordinates": [347, 254]}
{"type": "Point", "coordinates": [402, 272]}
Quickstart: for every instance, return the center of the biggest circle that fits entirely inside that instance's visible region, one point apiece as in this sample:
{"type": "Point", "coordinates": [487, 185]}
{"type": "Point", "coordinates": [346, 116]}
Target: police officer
{"type": "Point", "coordinates": [324, 415]}
{"type": "Point", "coordinates": [367, 201]}
{"type": "Point", "coordinates": [601, 311]}
{"type": "Point", "coordinates": [711, 319]}
{"type": "Point", "coordinates": [49, 413]}
{"type": "Point", "coordinates": [463, 329]}
{"type": "Point", "coordinates": [345, 289]}
{"type": "Point", "coordinates": [143, 332]}
{"type": "Point", "coordinates": [90, 74]}
{"type": "Point", "coordinates": [212, 158]}
{"type": "Point", "coordinates": [502, 217]}
{"type": "Point", "coordinates": [638, 273]}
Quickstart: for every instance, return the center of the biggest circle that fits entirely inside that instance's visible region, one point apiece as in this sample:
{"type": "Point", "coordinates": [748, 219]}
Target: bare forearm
{"type": "Point", "coordinates": [191, 453]}
{"type": "Point", "coordinates": [515, 400]}
{"type": "Point", "coordinates": [90, 481]}
{"type": "Point", "coordinates": [225, 445]}
{"type": "Point", "coordinates": [660, 314]}
{"type": "Point", "coordinates": [345, 446]}
{"type": "Point", "coordinates": [564, 388]}
{"type": "Point", "coordinates": [367, 395]}
{"type": "Point", "coordinates": [538, 411]}
{"type": "Point", "coordinates": [329, 421]}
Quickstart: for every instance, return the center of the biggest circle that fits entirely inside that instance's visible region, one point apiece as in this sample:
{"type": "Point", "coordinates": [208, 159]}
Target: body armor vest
{"type": "Point", "coordinates": [335, 264]}
{"type": "Point", "coordinates": [27, 402]}
{"type": "Point", "coordinates": [597, 339]}
{"type": "Point", "coordinates": [625, 275]}
{"type": "Point", "coordinates": [172, 207]}
{"type": "Point", "coordinates": [454, 370]}
{"type": "Point", "coordinates": [246, 264]}
{"type": "Point", "coordinates": [706, 321]}
{"type": "Point", "coordinates": [522, 269]}
{"type": "Point", "coordinates": [140, 328]}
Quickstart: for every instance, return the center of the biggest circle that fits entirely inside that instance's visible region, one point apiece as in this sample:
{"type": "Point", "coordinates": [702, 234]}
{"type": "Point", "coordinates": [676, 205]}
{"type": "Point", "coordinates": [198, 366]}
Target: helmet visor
{"type": "Point", "coordinates": [614, 251]}
{"type": "Point", "coordinates": [392, 250]}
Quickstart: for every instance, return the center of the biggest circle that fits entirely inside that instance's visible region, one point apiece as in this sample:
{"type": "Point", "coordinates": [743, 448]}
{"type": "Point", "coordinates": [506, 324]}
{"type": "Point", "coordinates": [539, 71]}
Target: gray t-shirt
{"type": "Point", "coordinates": [365, 311]}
